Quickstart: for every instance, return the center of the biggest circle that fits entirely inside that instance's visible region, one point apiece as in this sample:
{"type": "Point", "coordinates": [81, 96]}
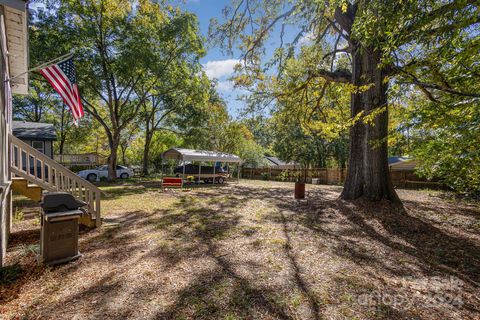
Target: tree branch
{"type": "Point", "coordinates": [342, 76]}
{"type": "Point", "coordinates": [347, 50]}
{"type": "Point", "coordinates": [265, 31]}
{"type": "Point", "coordinates": [346, 19]}
{"type": "Point", "coordinates": [90, 108]}
{"type": "Point", "coordinates": [410, 29]}
{"type": "Point", "coordinates": [445, 89]}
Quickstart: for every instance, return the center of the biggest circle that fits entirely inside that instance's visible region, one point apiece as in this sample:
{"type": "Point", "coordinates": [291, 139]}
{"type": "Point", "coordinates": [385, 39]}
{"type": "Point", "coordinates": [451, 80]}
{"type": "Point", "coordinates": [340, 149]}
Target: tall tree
{"type": "Point", "coordinates": [178, 107]}
{"type": "Point", "coordinates": [174, 64]}
{"type": "Point", "coordinates": [173, 103]}
{"type": "Point", "coordinates": [384, 39]}
{"type": "Point", "coordinates": [116, 54]}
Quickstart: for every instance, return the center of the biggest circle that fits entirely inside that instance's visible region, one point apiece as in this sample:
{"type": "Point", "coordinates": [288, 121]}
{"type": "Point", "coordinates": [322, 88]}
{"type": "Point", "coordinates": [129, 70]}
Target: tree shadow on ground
{"type": "Point", "coordinates": [313, 302]}
{"type": "Point", "coordinates": [246, 299]}
{"type": "Point", "coordinates": [193, 232]}
{"type": "Point", "coordinates": [447, 208]}
{"type": "Point", "coordinates": [435, 249]}
{"type": "Point", "coordinates": [201, 223]}
{"type": "Point", "coordinates": [24, 237]}
{"type": "Point", "coordinates": [118, 191]}
{"type": "Point", "coordinates": [380, 225]}
{"type": "Point", "coordinates": [196, 225]}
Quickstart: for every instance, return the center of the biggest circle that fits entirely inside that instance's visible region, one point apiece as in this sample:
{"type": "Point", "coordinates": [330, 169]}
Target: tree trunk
{"type": "Point", "coordinates": [368, 173]}
{"type": "Point", "coordinates": [63, 135]}
{"type": "Point", "coordinates": [321, 161]}
{"type": "Point", "coordinates": [353, 187]}
{"type": "Point", "coordinates": [62, 144]}
{"type": "Point", "coordinates": [146, 154]}
{"type": "Point", "coordinates": [124, 151]}
{"type": "Point", "coordinates": [112, 158]}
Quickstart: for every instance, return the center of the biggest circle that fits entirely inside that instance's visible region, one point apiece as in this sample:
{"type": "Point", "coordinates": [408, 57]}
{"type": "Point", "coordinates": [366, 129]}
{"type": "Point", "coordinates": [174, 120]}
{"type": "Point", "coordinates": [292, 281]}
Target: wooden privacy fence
{"type": "Point", "coordinates": [400, 179]}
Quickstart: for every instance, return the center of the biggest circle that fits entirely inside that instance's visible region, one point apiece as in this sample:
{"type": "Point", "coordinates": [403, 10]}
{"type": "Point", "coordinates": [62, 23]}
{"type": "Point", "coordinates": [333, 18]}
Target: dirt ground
{"type": "Point", "coordinates": [250, 251]}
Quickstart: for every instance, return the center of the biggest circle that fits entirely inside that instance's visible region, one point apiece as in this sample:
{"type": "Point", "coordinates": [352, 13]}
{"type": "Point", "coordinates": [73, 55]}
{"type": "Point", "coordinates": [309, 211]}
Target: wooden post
{"type": "Point", "coordinates": [183, 175]}
{"type": "Point", "coordinates": [199, 172]}
{"type": "Point", "coordinates": [214, 172]}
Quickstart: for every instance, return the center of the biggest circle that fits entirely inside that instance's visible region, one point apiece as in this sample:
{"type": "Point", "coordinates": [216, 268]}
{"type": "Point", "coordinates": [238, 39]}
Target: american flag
{"type": "Point", "coordinates": [63, 78]}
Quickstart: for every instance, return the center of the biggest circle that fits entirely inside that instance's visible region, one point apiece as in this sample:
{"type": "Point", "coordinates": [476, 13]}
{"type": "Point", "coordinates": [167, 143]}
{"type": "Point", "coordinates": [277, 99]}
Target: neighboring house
{"type": "Point", "coordinates": [402, 163]}
{"type": "Point", "coordinates": [36, 134]}
{"type": "Point", "coordinates": [276, 163]}
{"type": "Point", "coordinates": [13, 68]}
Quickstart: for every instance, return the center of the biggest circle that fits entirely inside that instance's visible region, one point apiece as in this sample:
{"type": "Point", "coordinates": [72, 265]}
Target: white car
{"type": "Point", "coordinates": [102, 172]}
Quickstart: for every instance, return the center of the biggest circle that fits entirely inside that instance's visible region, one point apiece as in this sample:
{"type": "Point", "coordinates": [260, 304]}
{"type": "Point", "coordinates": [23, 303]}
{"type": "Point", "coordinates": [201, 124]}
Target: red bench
{"type": "Point", "coordinates": [172, 182]}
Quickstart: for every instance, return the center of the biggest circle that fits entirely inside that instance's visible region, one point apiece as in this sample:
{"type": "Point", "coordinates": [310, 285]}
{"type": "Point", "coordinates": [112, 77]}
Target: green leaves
{"type": "Point", "coordinates": [443, 136]}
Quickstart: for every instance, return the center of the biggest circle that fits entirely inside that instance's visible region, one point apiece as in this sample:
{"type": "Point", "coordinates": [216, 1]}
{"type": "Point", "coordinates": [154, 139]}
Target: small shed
{"type": "Point", "coordinates": [191, 155]}
{"type": "Point", "coordinates": [37, 134]}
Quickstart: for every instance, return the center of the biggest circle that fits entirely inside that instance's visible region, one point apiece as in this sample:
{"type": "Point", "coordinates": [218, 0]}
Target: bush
{"type": "Point", "coordinates": [265, 175]}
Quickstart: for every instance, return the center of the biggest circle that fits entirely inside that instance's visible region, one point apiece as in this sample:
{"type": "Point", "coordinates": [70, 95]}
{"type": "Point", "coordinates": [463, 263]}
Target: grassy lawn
{"type": "Point", "coordinates": [249, 251]}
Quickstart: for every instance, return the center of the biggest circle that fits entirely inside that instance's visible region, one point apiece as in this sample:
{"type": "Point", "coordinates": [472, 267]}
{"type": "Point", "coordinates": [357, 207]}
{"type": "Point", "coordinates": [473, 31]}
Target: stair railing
{"type": "Point", "coordinates": [34, 166]}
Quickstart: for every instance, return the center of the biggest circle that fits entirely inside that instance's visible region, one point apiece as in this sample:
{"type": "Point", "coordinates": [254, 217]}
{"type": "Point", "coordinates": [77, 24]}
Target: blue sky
{"type": "Point", "coordinates": [216, 63]}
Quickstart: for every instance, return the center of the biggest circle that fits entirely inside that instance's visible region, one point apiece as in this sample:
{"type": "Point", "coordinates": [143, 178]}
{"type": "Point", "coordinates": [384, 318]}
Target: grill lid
{"type": "Point", "coordinates": [60, 201]}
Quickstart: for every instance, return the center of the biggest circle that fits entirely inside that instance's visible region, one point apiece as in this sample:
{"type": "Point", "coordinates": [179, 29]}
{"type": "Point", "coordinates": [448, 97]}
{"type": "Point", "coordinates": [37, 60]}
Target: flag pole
{"type": "Point", "coordinates": [67, 55]}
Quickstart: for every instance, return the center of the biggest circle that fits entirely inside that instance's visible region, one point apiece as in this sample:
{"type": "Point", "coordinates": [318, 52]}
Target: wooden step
{"type": "Point", "coordinates": [88, 221]}
{"type": "Point", "coordinates": [31, 191]}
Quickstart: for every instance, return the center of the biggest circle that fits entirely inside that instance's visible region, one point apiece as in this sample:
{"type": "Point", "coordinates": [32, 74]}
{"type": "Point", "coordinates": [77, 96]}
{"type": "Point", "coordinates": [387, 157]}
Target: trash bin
{"type": "Point", "coordinates": [299, 190]}
{"type": "Point", "coordinates": [59, 231]}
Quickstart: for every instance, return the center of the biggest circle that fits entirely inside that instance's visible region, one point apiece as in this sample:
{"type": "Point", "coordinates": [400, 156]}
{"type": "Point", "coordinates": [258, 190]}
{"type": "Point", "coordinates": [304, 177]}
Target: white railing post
{"type": "Point", "coordinates": [20, 159]}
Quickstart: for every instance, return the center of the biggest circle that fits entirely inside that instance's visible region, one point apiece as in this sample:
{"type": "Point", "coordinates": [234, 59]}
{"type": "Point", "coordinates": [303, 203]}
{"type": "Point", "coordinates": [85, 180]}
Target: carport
{"type": "Point", "coordinates": [192, 155]}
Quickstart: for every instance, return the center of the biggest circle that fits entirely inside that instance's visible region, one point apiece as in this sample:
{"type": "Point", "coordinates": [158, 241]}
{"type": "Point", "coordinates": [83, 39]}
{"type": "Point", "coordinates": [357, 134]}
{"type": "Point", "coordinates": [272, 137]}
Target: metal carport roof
{"type": "Point", "coordinates": [200, 155]}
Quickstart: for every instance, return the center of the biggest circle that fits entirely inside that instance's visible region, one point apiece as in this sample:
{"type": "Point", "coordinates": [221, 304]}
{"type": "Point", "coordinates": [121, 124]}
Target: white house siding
{"type": "Point", "coordinates": [16, 30]}
{"type": "Point", "coordinates": [5, 99]}
{"type": "Point", "coordinates": [13, 39]}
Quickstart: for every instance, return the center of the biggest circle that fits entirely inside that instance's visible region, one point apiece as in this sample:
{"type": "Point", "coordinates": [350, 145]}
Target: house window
{"type": "Point", "coordinates": [39, 145]}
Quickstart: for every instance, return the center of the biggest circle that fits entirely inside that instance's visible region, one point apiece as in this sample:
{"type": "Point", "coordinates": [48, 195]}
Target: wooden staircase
{"type": "Point", "coordinates": [35, 172]}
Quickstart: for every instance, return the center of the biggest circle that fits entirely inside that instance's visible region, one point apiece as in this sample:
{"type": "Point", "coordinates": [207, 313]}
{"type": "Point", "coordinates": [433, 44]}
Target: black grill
{"type": "Point", "coordinates": [60, 201]}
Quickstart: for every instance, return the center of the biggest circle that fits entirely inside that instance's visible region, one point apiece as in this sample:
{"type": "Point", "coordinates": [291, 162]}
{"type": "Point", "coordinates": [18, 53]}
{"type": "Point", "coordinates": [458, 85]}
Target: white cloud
{"type": "Point", "coordinates": [220, 68]}
{"type": "Point", "coordinates": [307, 38]}
{"type": "Point", "coordinates": [225, 86]}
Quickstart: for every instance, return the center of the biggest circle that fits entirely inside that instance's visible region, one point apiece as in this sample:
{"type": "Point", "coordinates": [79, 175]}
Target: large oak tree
{"type": "Point", "coordinates": [386, 41]}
